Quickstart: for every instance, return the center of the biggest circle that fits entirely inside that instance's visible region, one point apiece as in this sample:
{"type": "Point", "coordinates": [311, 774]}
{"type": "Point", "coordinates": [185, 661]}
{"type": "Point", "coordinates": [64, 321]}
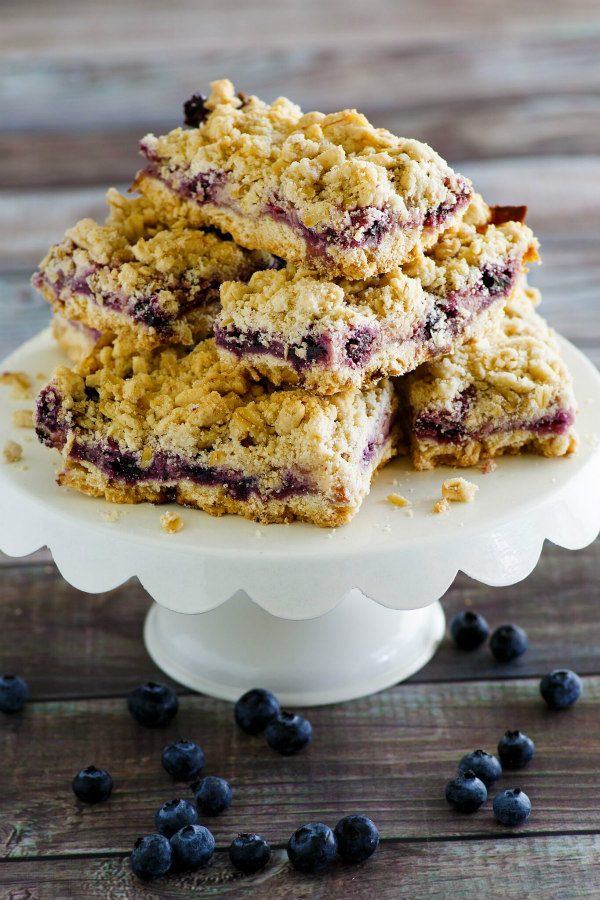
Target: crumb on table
{"type": "Point", "coordinates": [441, 506]}
{"type": "Point", "coordinates": [20, 383]}
{"type": "Point", "coordinates": [488, 466]}
{"type": "Point", "coordinates": [398, 500]}
{"type": "Point", "coordinates": [12, 452]}
{"type": "Point", "coordinates": [459, 490]}
{"type": "Point", "coordinates": [22, 418]}
{"type": "Point", "coordinates": [111, 515]}
{"type": "Point", "coordinates": [171, 522]}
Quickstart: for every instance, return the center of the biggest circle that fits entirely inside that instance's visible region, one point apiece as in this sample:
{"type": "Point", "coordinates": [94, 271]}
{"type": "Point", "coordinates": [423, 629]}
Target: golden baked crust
{"type": "Point", "coordinates": [185, 426]}
{"type": "Point", "coordinates": [136, 274]}
{"type": "Point", "coordinates": [328, 191]}
{"type": "Point", "coordinates": [506, 391]}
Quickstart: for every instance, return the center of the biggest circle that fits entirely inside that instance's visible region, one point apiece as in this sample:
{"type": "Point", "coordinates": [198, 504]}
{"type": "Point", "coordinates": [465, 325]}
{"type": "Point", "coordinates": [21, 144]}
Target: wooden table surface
{"type": "Point", "coordinates": [509, 93]}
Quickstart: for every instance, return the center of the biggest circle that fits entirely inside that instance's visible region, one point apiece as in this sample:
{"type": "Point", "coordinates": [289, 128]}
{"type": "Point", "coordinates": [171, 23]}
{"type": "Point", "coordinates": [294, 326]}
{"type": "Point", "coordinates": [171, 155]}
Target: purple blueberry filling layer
{"type": "Point", "coordinates": [51, 427]}
{"type": "Point", "coordinates": [366, 226]}
{"type": "Point", "coordinates": [448, 427]}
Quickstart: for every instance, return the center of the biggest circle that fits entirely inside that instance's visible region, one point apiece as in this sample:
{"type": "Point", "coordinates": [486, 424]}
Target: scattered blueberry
{"type": "Point", "coordinates": [194, 110]}
{"type": "Point", "coordinates": [512, 807]}
{"type": "Point", "coordinates": [183, 760]}
{"type": "Point", "coordinates": [175, 814]}
{"type": "Point", "coordinates": [153, 704]}
{"type": "Point", "coordinates": [255, 710]}
{"type": "Point", "coordinates": [560, 688]}
{"type": "Point", "coordinates": [13, 693]}
{"type": "Point", "coordinates": [151, 856]}
{"type": "Point", "coordinates": [312, 848]}
{"type": "Point", "coordinates": [357, 838]}
{"type": "Point", "coordinates": [249, 853]}
{"type": "Point", "coordinates": [288, 733]}
{"type": "Point", "coordinates": [466, 792]}
{"type": "Point", "coordinates": [192, 846]}
{"type": "Point", "coordinates": [92, 785]}
{"type": "Point", "coordinates": [486, 767]}
{"type": "Point", "coordinates": [515, 749]}
{"type": "Point", "coordinates": [469, 630]}
{"type": "Point", "coordinates": [213, 795]}
{"type": "Point", "coordinates": [508, 642]}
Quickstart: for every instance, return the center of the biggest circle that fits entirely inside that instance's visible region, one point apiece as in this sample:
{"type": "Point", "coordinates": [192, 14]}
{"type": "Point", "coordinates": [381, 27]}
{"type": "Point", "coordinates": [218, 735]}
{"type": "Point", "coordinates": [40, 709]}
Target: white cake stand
{"type": "Point", "coordinates": [317, 616]}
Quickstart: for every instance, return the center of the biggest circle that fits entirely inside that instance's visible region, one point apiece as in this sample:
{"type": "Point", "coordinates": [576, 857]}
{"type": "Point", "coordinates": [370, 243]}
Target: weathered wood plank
{"type": "Point", "coordinates": [70, 644]}
{"type": "Point", "coordinates": [388, 755]}
{"type": "Point", "coordinates": [565, 867]}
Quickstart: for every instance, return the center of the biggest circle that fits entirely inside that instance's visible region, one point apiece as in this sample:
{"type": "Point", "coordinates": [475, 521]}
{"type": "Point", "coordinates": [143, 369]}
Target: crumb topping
{"type": "Point", "coordinates": [459, 490]}
{"type": "Point", "coordinates": [20, 383]}
{"type": "Point", "coordinates": [398, 500]}
{"type": "Point", "coordinates": [12, 452]}
{"type": "Point", "coordinates": [171, 522]}
{"type": "Point", "coordinates": [441, 506]}
{"type": "Point", "coordinates": [22, 418]}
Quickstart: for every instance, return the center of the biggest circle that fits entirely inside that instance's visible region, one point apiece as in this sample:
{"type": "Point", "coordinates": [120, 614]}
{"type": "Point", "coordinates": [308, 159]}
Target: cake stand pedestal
{"type": "Point", "coordinates": [316, 616]}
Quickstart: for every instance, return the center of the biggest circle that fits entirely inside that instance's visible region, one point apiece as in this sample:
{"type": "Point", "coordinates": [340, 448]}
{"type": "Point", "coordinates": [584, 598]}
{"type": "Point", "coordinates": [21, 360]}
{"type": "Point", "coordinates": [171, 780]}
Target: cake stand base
{"type": "Point", "coordinates": [355, 649]}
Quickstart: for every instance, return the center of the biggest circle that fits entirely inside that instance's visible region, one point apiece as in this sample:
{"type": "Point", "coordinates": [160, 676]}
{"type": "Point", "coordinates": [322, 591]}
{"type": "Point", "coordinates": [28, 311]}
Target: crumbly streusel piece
{"type": "Point", "coordinates": [502, 393]}
{"type": "Point", "coordinates": [331, 192]}
{"type": "Point", "coordinates": [296, 328]}
{"type": "Point", "coordinates": [12, 452]}
{"type": "Point", "coordinates": [170, 425]}
{"type": "Point", "coordinates": [459, 490]}
{"type": "Point", "coordinates": [75, 338]}
{"type": "Point", "coordinates": [135, 274]}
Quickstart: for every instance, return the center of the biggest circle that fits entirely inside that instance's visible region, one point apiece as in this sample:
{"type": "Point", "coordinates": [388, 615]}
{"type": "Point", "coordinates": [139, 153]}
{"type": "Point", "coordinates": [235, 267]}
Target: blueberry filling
{"type": "Point", "coordinates": [447, 426]}
{"type": "Point", "coordinates": [312, 351]}
{"type": "Point", "coordinates": [194, 111]}
{"type": "Point", "coordinates": [49, 429]}
{"type": "Point", "coordinates": [358, 347]}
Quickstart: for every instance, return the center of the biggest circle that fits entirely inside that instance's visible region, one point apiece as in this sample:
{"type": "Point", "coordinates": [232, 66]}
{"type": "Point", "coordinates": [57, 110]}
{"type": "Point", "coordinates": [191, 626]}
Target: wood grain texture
{"type": "Point", "coordinates": [563, 867]}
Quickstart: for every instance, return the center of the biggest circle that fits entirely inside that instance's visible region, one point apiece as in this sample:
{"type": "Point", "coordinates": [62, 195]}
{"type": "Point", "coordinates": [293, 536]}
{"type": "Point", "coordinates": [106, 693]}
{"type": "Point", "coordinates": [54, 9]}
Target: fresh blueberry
{"type": "Point", "coordinates": [486, 767]}
{"type": "Point", "coordinates": [92, 785]}
{"type": "Point", "coordinates": [183, 760]}
{"type": "Point", "coordinates": [312, 848]}
{"type": "Point", "coordinates": [560, 688]}
{"type": "Point", "coordinates": [13, 693]}
{"type": "Point", "coordinates": [288, 733]}
{"type": "Point", "coordinates": [151, 856]}
{"type": "Point", "coordinates": [194, 110]}
{"type": "Point", "coordinates": [213, 795]}
{"type": "Point", "coordinates": [508, 642]}
{"type": "Point", "coordinates": [255, 709]}
{"type": "Point", "coordinates": [515, 750]}
{"type": "Point", "coordinates": [512, 807]}
{"type": "Point", "coordinates": [469, 630]}
{"type": "Point", "coordinates": [249, 853]}
{"type": "Point", "coordinates": [357, 838]}
{"type": "Point", "coordinates": [192, 846]}
{"type": "Point", "coordinates": [153, 704]}
{"type": "Point", "coordinates": [466, 792]}
{"type": "Point", "coordinates": [173, 815]}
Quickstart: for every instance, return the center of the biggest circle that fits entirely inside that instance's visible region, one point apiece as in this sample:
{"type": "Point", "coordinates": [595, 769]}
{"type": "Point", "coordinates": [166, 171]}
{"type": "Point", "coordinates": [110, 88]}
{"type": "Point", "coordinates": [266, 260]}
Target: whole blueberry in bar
{"type": "Point", "coordinates": [504, 392]}
{"type": "Point", "coordinates": [136, 276]}
{"type": "Point", "coordinates": [173, 425]}
{"type": "Point", "coordinates": [330, 191]}
{"type": "Point", "coordinates": [295, 327]}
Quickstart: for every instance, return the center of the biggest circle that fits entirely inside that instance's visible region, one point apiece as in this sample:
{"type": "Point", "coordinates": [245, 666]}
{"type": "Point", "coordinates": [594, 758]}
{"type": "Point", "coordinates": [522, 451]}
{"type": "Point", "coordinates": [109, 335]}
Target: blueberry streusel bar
{"type": "Point", "coordinates": [136, 275]}
{"type": "Point", "coordinates": [176, 425]}
{"type": "Point", "coordinates": [505, 392]}
{"type": "Point", "coordinates": [327, 334]}
{"type": "Point", "coordinates": [330, 192]}
{"type": "Point", "coordinates": [75, 338]}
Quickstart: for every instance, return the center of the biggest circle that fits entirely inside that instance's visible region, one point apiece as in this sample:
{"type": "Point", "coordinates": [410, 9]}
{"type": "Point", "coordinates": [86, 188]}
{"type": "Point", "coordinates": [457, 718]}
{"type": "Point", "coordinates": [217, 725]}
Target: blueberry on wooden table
{"type": "Point", "coordinates": [561, 688]}
{"type": "Point", "coordinates": [466, 792]}
{"type": "Point", "coordinates": [288, 733]}
{"type": "Point", "coordinates": [192, 846]}
{"type": "Point", "coordinates": [92, 785]}
{"type": "Point", "coordinates": [183, 760]}
{"type": "Point", "coordinates": [469, 630]}
{"type": "Point", "coordinates": [486, 767]}
{"type": "Point", "coordinates": [512, 807]}
{"type": "Point", "coordinates": [357, 838]}
{"type": "Point", "coordinates": [255, 709]}
{"type": "Point", "coordinates": [508, 642]}
{"type": "Point", "coordinates": [213, 795]}
{"type": "Point", "coordinates": [13, 693]}
{"type": "Point", "coordinates": [173, 815]}
{"type": "Point", "coordinates": [249, 853]}
{"type": "Point", "coordinates": [153, 704]}
{"type": "Point", "coordinates": [515, 749]}
{"type": "Point", "coordinates": [151, 856]}
{"type": "Point", "coordinates": [312, 848]}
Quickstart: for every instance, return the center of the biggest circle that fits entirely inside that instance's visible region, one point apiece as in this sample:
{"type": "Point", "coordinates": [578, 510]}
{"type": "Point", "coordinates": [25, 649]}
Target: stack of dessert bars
{"type": "Point", "coordinates": [288, 302]}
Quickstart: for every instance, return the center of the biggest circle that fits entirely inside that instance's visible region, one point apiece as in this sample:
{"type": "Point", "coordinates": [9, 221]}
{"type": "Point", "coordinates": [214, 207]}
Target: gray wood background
{"type": "Point", "coordinates": [509, 93]}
